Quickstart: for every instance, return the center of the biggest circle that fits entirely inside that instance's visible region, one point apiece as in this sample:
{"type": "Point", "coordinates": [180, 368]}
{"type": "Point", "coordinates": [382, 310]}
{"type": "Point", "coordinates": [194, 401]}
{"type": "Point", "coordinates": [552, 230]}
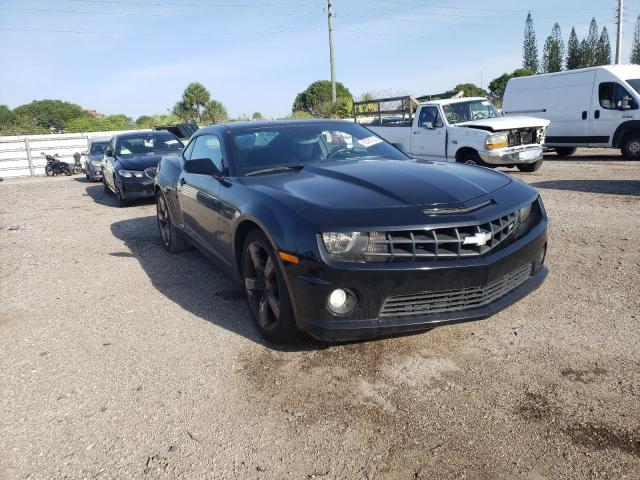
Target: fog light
{"type": "Point", "coordinates": [341, 301]}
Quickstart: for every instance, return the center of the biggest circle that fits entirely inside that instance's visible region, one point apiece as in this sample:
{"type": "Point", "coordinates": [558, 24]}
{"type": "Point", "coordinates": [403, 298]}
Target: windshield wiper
{"type": "Point", "coordinates": [281, 168]}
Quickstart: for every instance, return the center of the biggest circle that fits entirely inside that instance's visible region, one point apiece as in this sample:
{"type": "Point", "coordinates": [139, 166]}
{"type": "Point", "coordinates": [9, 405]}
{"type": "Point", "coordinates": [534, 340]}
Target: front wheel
{"type": "Point", "coordinates": [530, 167]}
{"type": "Point", "coordinates": [565, 151]}
{"type": "Point", "coordinates": [471, 158]}
{"type": "Point", "coordinates": [48, 171]}
{"type": "Point", "coordinates": [631, 148]}
{"type": "Point", "coordinates": [105, 185]}
{"type": "Point", "coordinates": [266, 290]}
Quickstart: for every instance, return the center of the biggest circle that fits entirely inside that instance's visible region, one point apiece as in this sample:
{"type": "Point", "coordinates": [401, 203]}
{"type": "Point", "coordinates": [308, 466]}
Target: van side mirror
{"type": "Point", "coordinates": [203, 166]}
{"type": "Point", "coordinates": [429, 125]}
{"type": "Point", "coordinates": [625, 104]}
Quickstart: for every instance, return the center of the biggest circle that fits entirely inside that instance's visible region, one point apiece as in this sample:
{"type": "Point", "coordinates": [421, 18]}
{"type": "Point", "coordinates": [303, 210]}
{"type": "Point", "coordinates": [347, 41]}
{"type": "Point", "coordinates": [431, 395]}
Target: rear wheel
{"type": "Point", "coordinates": [530, 167]}
{"type": "Point", "coordinates": [631, 148]}
{"type": "Point", "coordinates": [172, 239]}
{"type": "Point", "coordinates": [565, 151]}
{"type": "Point", "coordinates": [266, 290]}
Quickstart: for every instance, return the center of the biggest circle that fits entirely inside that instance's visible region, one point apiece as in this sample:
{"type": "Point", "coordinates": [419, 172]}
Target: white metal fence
{"type": "Point", "coordinates": [22, 155]}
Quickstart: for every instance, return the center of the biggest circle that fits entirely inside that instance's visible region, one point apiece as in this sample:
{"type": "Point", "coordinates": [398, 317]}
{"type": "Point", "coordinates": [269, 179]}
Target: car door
{"type": "Point", "coordinates": [108, 164]}
{"type": "Point", "coordinates": [613, 104]}
{"type": "Point", "coordinates": [428, 134]}
{"type": "Point", "coordinates": [198, 193]}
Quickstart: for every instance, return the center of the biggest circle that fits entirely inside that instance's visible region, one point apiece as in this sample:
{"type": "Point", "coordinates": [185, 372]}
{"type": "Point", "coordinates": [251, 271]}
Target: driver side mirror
{"type": "Point", "coordinates": [429, 125]}
{"type": "Point", "coordinates": [203, 166]}
{"type": "Point", "coordinates": [108, 152]}
{"type": "Point", "coordinates": [625, 104]}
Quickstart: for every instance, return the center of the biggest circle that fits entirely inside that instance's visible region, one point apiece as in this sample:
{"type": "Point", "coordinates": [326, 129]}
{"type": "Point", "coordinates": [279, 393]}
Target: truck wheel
{"type": "Point", "coordinates": [471, 158]}
{"type": "Point", "coordinates": [530, 167]}
{"type": "Point", "coordinates": [631, 148]}
{"type": "Point", "coordinates": [565, 151]}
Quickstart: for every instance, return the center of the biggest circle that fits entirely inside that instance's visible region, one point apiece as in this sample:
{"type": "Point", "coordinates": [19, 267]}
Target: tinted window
{"type": "Point", "coordinates": [207, 146]}
{"type": "Point", "coordinates": [611, 95]}
{"type": "Point", "coordinates": [635, 84]}
{"type": "Point", "coordinates": [429, 114]}
{"type": "Point", "coordinates": [98, 148]}
{"type": "Point", "coordinates": [457, 112]}
{"type": "Point", "coordinates": [306, 144]}
{"type": "Point", "coordinates": [149, 144]}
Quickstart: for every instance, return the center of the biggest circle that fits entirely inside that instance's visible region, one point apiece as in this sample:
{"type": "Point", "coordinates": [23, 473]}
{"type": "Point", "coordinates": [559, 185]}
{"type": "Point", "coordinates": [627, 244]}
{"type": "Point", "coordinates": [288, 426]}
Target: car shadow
{"type": "Point", "coordinates": [192, 281]}
{"type": "Point", "coordinates": [613, 155]}
{"type": "Point", "coordinates": [613, 187]}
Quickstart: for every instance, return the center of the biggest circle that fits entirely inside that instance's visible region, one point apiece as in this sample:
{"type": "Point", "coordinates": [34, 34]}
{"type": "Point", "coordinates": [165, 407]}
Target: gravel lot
{"type": "Point", "coordinates": [118, 360]}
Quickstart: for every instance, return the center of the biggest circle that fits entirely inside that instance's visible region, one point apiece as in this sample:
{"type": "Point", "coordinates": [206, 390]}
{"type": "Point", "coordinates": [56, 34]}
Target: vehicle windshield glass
{"type": "Point", "coordinates": [282, 146]}
{"type": "Point", "coordinates": [471, 110]}
{"type": "Point", "coordinates": [149, 144]}
{"type": "Point", "coordinates": [98, 148]}
{"type": "Point", "coordinates": [635, 84]}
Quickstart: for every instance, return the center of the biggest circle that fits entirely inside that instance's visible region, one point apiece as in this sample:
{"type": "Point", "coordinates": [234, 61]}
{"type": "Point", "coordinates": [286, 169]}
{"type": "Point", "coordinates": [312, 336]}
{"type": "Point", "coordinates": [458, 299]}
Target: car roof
{"type": "Point", "coordinates": [142, 134]}
{"type": "Point", "coordinates": [269, 123]}
{"type": "Point", "coordinates": [452, 100]}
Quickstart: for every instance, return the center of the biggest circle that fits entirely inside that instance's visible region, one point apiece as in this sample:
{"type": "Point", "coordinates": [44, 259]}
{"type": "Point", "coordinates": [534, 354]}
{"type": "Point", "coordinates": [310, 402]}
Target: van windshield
{"type": "Point", "coordinates": [635, 84]}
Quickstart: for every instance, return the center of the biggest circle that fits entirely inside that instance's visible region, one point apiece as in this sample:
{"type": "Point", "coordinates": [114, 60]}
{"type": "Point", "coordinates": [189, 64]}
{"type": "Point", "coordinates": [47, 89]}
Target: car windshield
{"type": "Point", "coordinates": [293, 146]}
{"type": "Point", "coordinates": [472, 110]}
{"type": "Point", "coordinates": [635, 84]}
{"type": "Point", "coordinates": [149, 144]}
{"type": "Point", "coordinates": [98, 148]}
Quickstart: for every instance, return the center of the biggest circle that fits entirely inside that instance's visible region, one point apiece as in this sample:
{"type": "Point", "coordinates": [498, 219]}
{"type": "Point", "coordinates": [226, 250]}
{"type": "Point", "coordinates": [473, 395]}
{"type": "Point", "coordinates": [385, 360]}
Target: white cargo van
{"type": "Point", "coordinates": [589, 107]}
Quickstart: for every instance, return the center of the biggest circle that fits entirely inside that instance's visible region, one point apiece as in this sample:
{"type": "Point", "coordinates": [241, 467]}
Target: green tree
{"type": "Point", "coordinates": [603, 50]}
{"type": "Point", "coordinates": [107, 123]}
{"type": "Point", "coordinates": [316, 100]}
{"type": "Point", "coordinates": [215, 112]}
{"type": "Point", "coordinates": [257, 116]}
{"type": "Point", "coordinates": [145, 121]}
{"type": "Point", "coordinates": [469, 89]}
{"type": "Point", "coordinates": [10, 123]}
{"type": "Point", "coordinates": [529, 46]}
{"type": "Point", "coordinates": [635, 46]}
{"type": "Point", "coordinates": [589, 46]}
{"type": "Point", "coordinates": [49, 113]}
{"type": "Point", "coordinates": [498, 85]}
{"type": "Point", "coordinates": [183, 111]}
{"type": "Point", "coordinates": [573, 51]}
{"type": "Point", "coordinates": [196, 96]}
{"type": "Point", "coordinates": [553, 53]}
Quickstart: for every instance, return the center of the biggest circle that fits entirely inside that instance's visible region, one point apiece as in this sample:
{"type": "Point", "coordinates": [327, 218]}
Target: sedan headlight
{"type": "Point", "coordinates": [524, 213]}
{"type": "Point", "coordinates": [96, 163]}
{"type": "Point", "coordinates": [496, 141]}
{"type": "Point", "coordinates": [346, 246]}
{"type": "Point", "coordinates": [131, 173]}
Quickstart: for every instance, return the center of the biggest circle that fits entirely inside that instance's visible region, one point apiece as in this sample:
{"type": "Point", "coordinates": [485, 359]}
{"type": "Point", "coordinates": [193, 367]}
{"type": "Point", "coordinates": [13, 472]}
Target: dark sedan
{"type": "Point", "coordinates": [130, 161]}
{"type": "Point", "coordinates": [333, 231]}
{"type": "Point", "coordinates": [94, 155]}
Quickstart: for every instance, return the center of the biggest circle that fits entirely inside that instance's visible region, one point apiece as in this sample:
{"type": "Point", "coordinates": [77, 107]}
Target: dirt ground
{"type": "Point", "coordinates": [118, 360]}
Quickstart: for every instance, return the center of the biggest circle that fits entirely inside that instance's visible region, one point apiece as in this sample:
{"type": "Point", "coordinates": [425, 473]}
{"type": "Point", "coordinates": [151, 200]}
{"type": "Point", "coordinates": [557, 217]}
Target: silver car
{"type": "Point", "coordinates": [94, 154]}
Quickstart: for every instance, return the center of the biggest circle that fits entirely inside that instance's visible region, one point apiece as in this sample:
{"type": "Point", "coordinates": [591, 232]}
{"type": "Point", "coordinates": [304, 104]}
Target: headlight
{"type": "Point", "coordinates": [499, 140]}
{"type": "Point", "coordinates": [524, 213]}
{"type": "Point", "coordinates": [130, 173]}
{"type": "Point", "coordinates": [346, 246]}
{"type": "Point", "coordinates": [96, 163]}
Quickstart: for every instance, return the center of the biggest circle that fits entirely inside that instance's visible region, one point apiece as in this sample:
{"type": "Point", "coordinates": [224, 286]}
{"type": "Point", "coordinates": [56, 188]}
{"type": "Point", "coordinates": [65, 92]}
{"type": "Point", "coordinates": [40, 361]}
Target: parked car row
{"type": "Point", "coordinates": [332, 230]}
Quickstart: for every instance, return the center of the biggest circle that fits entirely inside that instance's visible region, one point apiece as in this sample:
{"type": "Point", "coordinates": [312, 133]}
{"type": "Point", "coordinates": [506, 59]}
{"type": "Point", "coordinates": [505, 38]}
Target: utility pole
{"type": "Point", "coordinates": [619, 38]}
{"type": "Point", "coordinates": [331, 57]}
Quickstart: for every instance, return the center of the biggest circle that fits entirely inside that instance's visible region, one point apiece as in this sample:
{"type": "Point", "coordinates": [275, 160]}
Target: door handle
{"type": "Point", "coordinates": [596, 114]}
{"type": "Point", "coordinates": [584, 115]}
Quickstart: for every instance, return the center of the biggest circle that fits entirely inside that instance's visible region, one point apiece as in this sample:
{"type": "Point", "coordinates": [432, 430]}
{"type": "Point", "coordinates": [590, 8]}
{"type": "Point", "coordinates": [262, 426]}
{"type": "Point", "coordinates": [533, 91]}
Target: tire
{"type": "Point", "coordinates": [631, 148]}
{"type": "Point", "coordinates": [266, 290]}
{"type": "Point", "coordinates": [530, 167]}
{"type": "Point", "coordinates": [122, 202]}
{"type": "Point", "coordinates": [105, 185]}
{"type": "Point", "coordinates": [471, 158]}
{"type": "Point", "coordinates": [68, 172]}
{"type": "Point", "coordinates": [564, 152]}
{"type": "Point", "coordinates": [172, 239]}
{"type": "Point", "coordinates": [87, 174]}
{"type": "Point", "coordinates": [48, 171]}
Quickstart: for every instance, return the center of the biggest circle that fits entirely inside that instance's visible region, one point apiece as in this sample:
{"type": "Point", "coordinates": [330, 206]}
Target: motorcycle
{"type": "Point", "coordinates": [55, 166]}
{"type": "Point", "coordinates": [77, 164]}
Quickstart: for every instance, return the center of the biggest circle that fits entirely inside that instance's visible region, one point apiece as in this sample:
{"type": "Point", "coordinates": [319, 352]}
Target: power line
{"type": "Point", "coordinates": [191, 4]}
{"type": "Point", "coordinates": [127, 34]}
{"type": "Point", "coordinates": [484, 9]}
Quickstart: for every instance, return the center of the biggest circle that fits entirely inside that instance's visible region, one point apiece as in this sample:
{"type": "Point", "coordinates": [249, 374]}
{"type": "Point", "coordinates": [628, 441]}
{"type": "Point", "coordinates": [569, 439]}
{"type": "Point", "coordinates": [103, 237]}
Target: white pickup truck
{"type": "Point", "coordinates": [467, 130]}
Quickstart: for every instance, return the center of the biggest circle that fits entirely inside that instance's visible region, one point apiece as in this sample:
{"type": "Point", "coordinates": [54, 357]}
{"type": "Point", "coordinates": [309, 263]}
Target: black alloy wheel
{"type": "Point", "coordinates": [172, 240]}
{"type": "Point", "coordinates": [266, 290]}
{"type": "Point", "coordinates": [122, 202]}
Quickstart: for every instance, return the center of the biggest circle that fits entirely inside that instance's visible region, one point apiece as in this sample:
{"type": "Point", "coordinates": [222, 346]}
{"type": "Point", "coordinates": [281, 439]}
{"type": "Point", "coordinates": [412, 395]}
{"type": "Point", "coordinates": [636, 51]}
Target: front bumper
{"type": "Point", "coordinates": [311, 283]}
{"type": "Point", "coordinates": [134, 188]}
{"type": "Point", "coordinates": [513, 155]}
{"type": "Point", "coordinates": [95, 170]}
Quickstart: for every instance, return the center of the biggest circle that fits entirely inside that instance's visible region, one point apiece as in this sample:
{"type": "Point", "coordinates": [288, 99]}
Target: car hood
{"type": "Point", "coordinates": [505, 123]}
{"type": "Point", "coordinates": [139, 162]}
{"type": "Point", "coordinates": [383, 184]}
{"type": "Point", "coordinates": [97, 156]}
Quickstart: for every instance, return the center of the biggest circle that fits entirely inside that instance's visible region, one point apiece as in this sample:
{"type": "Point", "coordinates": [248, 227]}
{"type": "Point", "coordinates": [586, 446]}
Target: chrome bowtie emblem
{"type": "Point", "coordinates": [480, 238]}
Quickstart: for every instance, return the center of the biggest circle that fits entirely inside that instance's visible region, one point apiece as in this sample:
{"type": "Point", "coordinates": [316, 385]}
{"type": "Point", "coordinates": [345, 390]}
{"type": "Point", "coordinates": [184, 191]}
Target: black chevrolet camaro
{"type": "Point", "coordinates": [333, 231]}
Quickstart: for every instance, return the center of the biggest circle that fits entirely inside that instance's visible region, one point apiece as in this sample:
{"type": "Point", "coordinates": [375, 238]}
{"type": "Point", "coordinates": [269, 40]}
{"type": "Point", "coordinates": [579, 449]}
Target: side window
{"type": "Point", "coordinates": [611, 94]}
{"type": "Point", "coordinates": [187, 151]}
{"type": "Point", "coordinates": [429, 114]}
{"type": "Point", "coordinates": [208, 146]}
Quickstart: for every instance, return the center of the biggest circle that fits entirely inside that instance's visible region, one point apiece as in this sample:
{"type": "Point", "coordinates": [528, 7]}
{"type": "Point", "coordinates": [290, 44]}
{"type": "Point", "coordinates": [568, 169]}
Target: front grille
{"type": "Point", "coordinates": [442, 243]}
{"type": "Point", "coordinates": [524, 136]}
{"type": "Point", "coordinates": [427, 303]}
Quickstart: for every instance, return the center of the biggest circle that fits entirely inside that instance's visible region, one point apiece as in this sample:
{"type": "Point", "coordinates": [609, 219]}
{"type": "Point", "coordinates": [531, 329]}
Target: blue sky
{"type": "Point", "coordinates": [256, 55]}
